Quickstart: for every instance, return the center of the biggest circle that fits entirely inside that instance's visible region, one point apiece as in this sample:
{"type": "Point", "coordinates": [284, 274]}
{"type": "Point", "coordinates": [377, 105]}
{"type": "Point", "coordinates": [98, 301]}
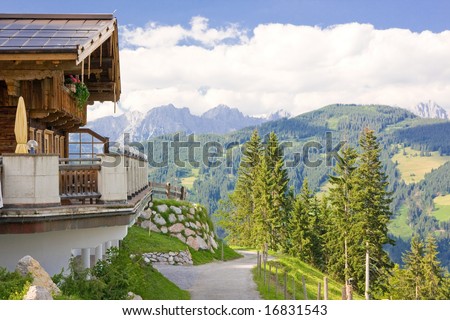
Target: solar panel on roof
{"type": "Point", "coordinates": [14, 42]}
{"type": "Point", "coordinates": [8, 32]}
{"type": "Point", "coordinates": [47, 32]}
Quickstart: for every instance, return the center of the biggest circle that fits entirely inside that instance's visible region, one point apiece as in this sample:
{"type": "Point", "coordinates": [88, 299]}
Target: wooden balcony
{"type": "Point", "coordinates": [50, 102]}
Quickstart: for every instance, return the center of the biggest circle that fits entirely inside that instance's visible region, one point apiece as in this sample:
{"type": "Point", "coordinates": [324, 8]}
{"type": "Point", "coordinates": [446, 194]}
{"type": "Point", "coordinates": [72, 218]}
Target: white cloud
{"type": "Point", "coordinates": [299, 68]}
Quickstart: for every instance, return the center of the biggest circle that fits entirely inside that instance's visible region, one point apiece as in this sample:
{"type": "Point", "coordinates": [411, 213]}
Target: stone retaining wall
{"type": "Point", "coordinates": [188, 222]}
{"type": "Point", "coordinates": [172, 258]}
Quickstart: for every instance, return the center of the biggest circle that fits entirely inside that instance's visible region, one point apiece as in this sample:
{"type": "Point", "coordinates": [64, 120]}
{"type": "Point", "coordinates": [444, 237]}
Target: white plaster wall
{"type": "Point", "coordinates": [112, 181]}
{"type": "Point", "coordinates": [53, 249]}
{"type": "Point", "coordinates": [30, 179]}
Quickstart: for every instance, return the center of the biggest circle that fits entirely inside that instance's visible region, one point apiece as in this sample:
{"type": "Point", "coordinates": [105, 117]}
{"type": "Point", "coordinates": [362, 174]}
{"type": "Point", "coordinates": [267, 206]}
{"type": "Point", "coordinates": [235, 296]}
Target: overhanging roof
{"type": "Point", "coordinates": [80, 44]}
{"type": "Point", "coordinates": [79, 34]}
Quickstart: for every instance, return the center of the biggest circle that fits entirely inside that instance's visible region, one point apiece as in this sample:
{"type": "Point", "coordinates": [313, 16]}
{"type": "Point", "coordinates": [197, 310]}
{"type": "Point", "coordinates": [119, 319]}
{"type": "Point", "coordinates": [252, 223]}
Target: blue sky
{"type": "Point", "coordinates": [261, 56]}
{"type": "Point", "coordinates": [416, 15]}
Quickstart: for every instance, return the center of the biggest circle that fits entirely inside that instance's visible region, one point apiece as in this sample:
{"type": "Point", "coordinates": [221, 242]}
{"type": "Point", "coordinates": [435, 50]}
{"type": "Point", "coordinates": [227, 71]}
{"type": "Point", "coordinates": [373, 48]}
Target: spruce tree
{"type": "Point", "coordinates": [242, 198]}
{"type": "Point", "coordinates": [278, 190]}
{"type": "Point", "coordinates": [299, 224]}
{"type": "Point", "coordinates": [413, 260]}
{"type": "Point", "coordinates": [262, 219]}
{"type": "Point", "coordinates": [372, 215]}
{"type": "Point", "coordinates": [339, 237]}
{"type": "Point", "coordinates": [432, 272]}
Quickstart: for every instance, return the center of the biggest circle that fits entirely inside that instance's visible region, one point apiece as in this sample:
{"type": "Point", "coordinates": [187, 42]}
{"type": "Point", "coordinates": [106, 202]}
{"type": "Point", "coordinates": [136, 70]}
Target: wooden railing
{"type": "Point", "coordinates": [165, 189]}
{"type": "Point", "coordinates": [137, 173]}
{"type": "Point", "coordinates": [70, 106]}
{"type": "Point", "coordinates": [78, 179]}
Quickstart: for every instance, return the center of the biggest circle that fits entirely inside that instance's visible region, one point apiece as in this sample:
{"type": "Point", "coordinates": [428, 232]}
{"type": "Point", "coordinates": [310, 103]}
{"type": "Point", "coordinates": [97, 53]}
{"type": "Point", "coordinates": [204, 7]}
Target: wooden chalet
{"type": "Point", "coordinates": [54, 207]}
{"type": "Point", "coordinates": [39, 55]}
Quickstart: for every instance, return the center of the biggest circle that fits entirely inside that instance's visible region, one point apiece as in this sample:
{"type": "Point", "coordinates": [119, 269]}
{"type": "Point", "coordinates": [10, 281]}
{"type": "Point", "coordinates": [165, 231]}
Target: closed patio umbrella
{"type": "Point", "coordinates": [21, 128]}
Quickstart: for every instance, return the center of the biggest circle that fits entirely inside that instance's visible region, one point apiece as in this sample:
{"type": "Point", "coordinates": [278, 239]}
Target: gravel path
{"type": "Point", "coordinates": [230, 280]}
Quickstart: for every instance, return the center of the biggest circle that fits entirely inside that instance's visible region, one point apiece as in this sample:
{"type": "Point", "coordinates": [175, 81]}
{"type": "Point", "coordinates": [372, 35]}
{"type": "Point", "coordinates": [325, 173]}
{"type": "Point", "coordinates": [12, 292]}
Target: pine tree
{"type": "Point", "coordinates": [243, 197]}
{"type": "Point", "coordinates": [299, 224]}
{"type": "Point", "coordinates": [397, 285]}
{"type": "Point", "coordinates": [339, 233]}
{"type": "Point", "coordinates": [413, 260]}
{"type": "Point", "coordinates": [262, 221]}
{"type": "Point", "coordinates": [278, 189]}
{"type": "Point", "coordinates": [372, 215]}
{"type": "Point", "coordinates": [432, 272]}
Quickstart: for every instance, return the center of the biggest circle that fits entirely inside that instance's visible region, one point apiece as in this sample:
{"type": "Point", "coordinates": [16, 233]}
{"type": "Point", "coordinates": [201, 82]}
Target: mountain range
{"type": "Point", "coordinates": [430, 109]}
{"type": "Point", "coordinates": [169, 119]}
{"type": "Point", "coordinates": [219, 120]}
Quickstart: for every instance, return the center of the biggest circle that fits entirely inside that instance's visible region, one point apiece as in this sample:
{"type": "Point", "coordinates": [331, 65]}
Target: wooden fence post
{"type": "Point", "coordinates": [168, 190]}
{"type": "Point", "coordinates": [325, 288]}
{"type": "Point", "coordinates": [268, 280]}
{"type": "Point", "coordinates": [285, 284]}
{"type": "Point", "coordinates": [293, 286]}
{"type": "Point", "coordinates": [182, 195]}
{"type": "Point", "coordinates": [318, 290]}
{"type": "Point", "coordinates": [305, 293]}
{"type": "Point", "coordinates": [349, 292]}
{"type": "Point", "coordinates": [264, 272]}
{"type": "Point", "coordinates": [257, 263]}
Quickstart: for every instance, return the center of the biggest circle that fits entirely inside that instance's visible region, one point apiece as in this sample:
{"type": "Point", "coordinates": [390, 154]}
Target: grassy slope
{"type": "Point", "coordinates": [188, 182]}
{"type": "Point", "coordinates": [399, 224]}
{"type": "Point", "coordinates": [413, 167]}
{"type": "Point", "coordinates": [442, 205]}
{"type": "Point", "coordinates": [139, 241]}
{"type": "Point", "coordinates": [296, 269]}
{"type": "Point", "coordinates": [152, 285]}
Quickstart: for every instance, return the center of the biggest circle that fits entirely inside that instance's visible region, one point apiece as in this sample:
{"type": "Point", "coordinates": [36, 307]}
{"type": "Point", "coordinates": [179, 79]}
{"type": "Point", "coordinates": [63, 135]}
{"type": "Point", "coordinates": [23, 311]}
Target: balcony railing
{"type": "Point", "coordinates": [51, 181]}
{"type": "Point", "coordinates": [78, 179]}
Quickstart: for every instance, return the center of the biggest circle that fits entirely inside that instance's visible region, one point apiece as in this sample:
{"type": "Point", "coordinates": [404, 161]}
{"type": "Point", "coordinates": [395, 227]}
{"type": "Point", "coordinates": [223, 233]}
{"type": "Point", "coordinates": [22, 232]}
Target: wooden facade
{"type": "Point", "coordinates": [81, 46]}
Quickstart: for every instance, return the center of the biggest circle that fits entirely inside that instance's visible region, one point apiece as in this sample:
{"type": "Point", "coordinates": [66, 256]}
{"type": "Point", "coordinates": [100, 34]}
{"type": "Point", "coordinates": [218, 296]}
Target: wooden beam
{"type": "Point", "coordinates": [37, 56]}
{"type": "Point", "coordinates": [35, 114]}
{"type": "Point", "coordinates": [32, 66]}
{"type": "Point", "coordinates": [86, 49]}
{"type": "Point", "coordinates": [101, 96]}
{"type": "Point", "coordinates": [18, 75]}
{"type": "Point", "coordinates": [13, 87]}
{"type": "Point", "coordinates": [100, 86]}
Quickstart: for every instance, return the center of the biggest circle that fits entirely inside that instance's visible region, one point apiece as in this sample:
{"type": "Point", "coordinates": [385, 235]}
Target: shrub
{"type": "Point", "coordinates": [107, 280]}
{"type": "Point", "coordinates": [13, 284]}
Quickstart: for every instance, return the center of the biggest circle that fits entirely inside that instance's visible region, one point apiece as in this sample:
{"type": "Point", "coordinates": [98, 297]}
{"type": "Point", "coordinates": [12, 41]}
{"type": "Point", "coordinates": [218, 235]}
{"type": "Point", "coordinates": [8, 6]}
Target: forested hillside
{"type": "Point", "coordinates": [413, 204]}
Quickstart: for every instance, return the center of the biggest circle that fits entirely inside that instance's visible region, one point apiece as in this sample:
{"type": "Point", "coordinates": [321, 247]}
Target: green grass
{"type": "Point", "coordinates": [441, 213]}
{"type": "Point", "coordinates": [295, 270]}
{"type": "Point", "coordinates": [171, 202]}
{"type": "Point", "coordinates": [413, 167]}
{"type": "Point", "coordinates": [206, 256]}
{"type": "Point", "coordinates": [399, 224]}
{"type": "Point", "coordinates": [333, 123]}
{"type": "Point", "coordinates": [141, 241]}
{"type": "Point", "coordinates": [147, 282]}
{"type": "Point", "coordinates": [442, 208]}
{"type": "Point", "coordinates": [188, 182]}
{"type": "Point", "coordinates": [442, 200]}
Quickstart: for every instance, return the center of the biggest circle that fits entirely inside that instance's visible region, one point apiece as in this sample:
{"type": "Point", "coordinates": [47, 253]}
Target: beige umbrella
{"type": "Point", "coordinates": [21, 128]}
